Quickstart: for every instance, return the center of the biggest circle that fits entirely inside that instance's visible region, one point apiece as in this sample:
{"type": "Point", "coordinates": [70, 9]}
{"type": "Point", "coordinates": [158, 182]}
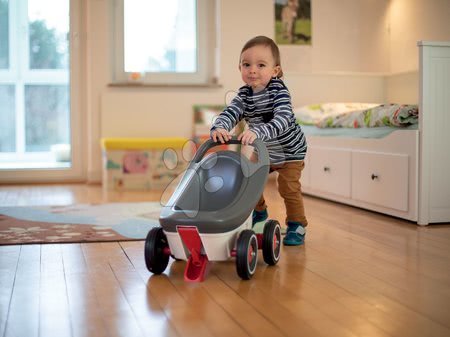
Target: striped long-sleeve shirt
{"type": "Point", "coordinates": [269, 115]}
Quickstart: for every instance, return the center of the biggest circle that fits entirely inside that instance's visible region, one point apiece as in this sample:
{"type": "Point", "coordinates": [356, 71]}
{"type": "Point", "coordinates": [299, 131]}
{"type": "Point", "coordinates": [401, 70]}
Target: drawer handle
{"type": "Point", "coordinates": [326, 169]}
{"type": "Point", "coordinates": [374, 176]}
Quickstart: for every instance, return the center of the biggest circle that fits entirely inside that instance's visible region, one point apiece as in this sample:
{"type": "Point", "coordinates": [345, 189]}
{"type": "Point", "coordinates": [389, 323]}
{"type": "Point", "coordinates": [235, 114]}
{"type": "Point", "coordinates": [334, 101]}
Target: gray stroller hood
{"type": "Point", "coordinates": [218, 191]}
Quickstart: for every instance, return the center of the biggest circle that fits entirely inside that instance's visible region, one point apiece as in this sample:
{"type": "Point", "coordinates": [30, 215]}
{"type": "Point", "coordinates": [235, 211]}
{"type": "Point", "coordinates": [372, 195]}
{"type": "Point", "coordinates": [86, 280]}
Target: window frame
{"type": "Point", "coordinates": [206, 40]}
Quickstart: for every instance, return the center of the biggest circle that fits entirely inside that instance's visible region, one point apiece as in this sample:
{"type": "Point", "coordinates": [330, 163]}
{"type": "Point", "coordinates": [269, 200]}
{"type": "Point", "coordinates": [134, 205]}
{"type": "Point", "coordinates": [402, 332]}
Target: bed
{"type": "Point", "coordinates": [382, 162]}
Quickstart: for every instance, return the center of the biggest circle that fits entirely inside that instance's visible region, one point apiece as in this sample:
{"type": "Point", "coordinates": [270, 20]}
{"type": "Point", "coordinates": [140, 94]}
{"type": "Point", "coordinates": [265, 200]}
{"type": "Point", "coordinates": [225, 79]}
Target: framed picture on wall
{"type": "Point", "coordinates": [293, 22]}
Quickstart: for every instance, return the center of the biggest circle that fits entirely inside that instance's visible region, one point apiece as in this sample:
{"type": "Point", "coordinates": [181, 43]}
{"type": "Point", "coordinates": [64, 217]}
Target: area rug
{"type": "Point", "coordinates": [77, 223]}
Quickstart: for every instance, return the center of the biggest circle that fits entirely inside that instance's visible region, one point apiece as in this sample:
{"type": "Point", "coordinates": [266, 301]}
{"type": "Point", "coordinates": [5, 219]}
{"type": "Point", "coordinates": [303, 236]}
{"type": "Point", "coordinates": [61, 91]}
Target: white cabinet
{"type": "Point", "coordinates": [376, 174]}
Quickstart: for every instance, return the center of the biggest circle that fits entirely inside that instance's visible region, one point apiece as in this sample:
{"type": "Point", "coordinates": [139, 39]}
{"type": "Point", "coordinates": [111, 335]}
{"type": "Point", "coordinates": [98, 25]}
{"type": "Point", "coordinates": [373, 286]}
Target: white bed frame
{"type": "Point", "coordinates": [405, 174]}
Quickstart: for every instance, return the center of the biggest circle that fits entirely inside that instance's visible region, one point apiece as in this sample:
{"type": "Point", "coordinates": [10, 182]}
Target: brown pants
{"type": "Point", "coordinates": [290, 190]}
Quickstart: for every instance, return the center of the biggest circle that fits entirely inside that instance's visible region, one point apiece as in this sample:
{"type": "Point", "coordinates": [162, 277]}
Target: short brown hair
{"type": "Point", "coordinates": [267, 42]}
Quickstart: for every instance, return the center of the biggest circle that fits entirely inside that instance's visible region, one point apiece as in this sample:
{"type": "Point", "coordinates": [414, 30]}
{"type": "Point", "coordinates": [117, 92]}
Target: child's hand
{"type": "Point", "coordinates": [221, 135]}
{"type": "Point", "coordinates": [247, 137]}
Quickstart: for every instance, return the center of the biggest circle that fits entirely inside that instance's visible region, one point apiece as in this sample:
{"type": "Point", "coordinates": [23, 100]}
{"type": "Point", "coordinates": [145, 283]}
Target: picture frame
{"type": "Point", "coordinates": [293, 22]}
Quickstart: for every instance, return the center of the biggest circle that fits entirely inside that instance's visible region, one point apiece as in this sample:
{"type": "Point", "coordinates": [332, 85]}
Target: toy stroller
{"type": "Point", "coordinates": [209, 215]}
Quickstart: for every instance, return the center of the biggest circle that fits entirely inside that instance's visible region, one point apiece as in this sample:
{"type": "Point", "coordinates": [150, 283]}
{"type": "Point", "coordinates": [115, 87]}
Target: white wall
{"type": "Point", "coordinates": [402, 88]}
{"type": "Point", "coordinates": [348, 58]}
{"type": "Point", "coordinates": [350, 35]}
{"type": "Point", "coordinates": [412, 21]}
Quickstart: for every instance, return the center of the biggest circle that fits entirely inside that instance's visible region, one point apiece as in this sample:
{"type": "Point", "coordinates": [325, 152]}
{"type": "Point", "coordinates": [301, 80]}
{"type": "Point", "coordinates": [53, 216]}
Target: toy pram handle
{"type": "Point", "coordinates": [258, 144]}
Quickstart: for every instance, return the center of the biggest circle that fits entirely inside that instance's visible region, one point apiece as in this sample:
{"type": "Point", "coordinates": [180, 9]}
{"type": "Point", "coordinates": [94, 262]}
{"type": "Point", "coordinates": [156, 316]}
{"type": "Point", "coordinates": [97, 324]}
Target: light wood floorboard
{"type": "Point", "coordinates": [359, 274]}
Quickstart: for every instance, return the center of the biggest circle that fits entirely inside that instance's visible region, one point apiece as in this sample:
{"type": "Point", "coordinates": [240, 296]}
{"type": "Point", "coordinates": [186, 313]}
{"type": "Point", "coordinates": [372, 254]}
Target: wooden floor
{"type": "Point", "coordinates": [359, 274]}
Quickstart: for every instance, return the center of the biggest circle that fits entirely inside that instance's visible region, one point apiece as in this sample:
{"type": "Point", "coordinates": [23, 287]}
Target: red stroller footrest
{"type": "Point", "coordinates": [196, 266]}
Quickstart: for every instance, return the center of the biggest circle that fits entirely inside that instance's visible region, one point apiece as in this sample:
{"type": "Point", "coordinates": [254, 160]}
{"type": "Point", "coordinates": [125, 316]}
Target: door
{"type": "Point", "coordinates": [40, 136]}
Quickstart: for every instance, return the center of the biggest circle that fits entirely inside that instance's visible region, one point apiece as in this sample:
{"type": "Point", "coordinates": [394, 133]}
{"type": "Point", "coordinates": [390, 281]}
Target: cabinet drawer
{"type": "Point", "coordinates": [330, 170]}
{"type": "Point", "coordinates": [381, 179]}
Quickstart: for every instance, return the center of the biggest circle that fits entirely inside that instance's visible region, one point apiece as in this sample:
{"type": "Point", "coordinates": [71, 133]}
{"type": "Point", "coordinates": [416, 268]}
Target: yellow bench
{"type": "Point", "coordinates": [141, 163]}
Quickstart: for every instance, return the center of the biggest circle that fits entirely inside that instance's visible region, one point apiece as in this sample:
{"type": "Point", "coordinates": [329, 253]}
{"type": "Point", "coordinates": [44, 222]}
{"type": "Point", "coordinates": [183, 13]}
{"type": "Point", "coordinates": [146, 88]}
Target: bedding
{"type": "Point", "coordinates": [391, 115]}
{"type": "Point", "coordinates": [314, 113]}
{"type": "Point", "coordinates": [357, 115]}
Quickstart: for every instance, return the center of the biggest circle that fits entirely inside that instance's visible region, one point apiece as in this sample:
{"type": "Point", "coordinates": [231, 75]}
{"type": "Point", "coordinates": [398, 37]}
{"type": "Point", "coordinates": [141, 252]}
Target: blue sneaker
{"type": "Point", "coordinates": [295, 234]}
{"type": "Point", "coordinates": [259, 216]}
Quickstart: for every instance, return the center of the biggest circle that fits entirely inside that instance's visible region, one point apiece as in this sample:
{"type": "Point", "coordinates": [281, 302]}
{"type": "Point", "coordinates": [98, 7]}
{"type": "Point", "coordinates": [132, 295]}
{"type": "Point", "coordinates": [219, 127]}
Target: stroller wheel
{"type": "Point", "coordinates": [246, 254]}
{"type": "Point", "coordinates": [271, 242]}
{"type": "Point", "coordinates": [156, 259]}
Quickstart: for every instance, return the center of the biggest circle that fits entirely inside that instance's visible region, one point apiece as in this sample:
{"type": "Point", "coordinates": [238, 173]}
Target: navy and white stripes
{"type": "Point", "coordinates": [269, 115]}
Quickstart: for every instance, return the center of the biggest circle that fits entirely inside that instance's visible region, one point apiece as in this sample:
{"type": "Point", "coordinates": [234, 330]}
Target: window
{"type": "Point", "coordinates": [34, 82]}
{"type": "Point", "coordinates": [164, 42]}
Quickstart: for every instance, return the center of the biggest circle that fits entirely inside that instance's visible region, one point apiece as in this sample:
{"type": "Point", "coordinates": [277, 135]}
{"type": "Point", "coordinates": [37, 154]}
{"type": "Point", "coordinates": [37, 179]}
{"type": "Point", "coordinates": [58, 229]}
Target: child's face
{"type": "Point", "coordinates": [258, 66]}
